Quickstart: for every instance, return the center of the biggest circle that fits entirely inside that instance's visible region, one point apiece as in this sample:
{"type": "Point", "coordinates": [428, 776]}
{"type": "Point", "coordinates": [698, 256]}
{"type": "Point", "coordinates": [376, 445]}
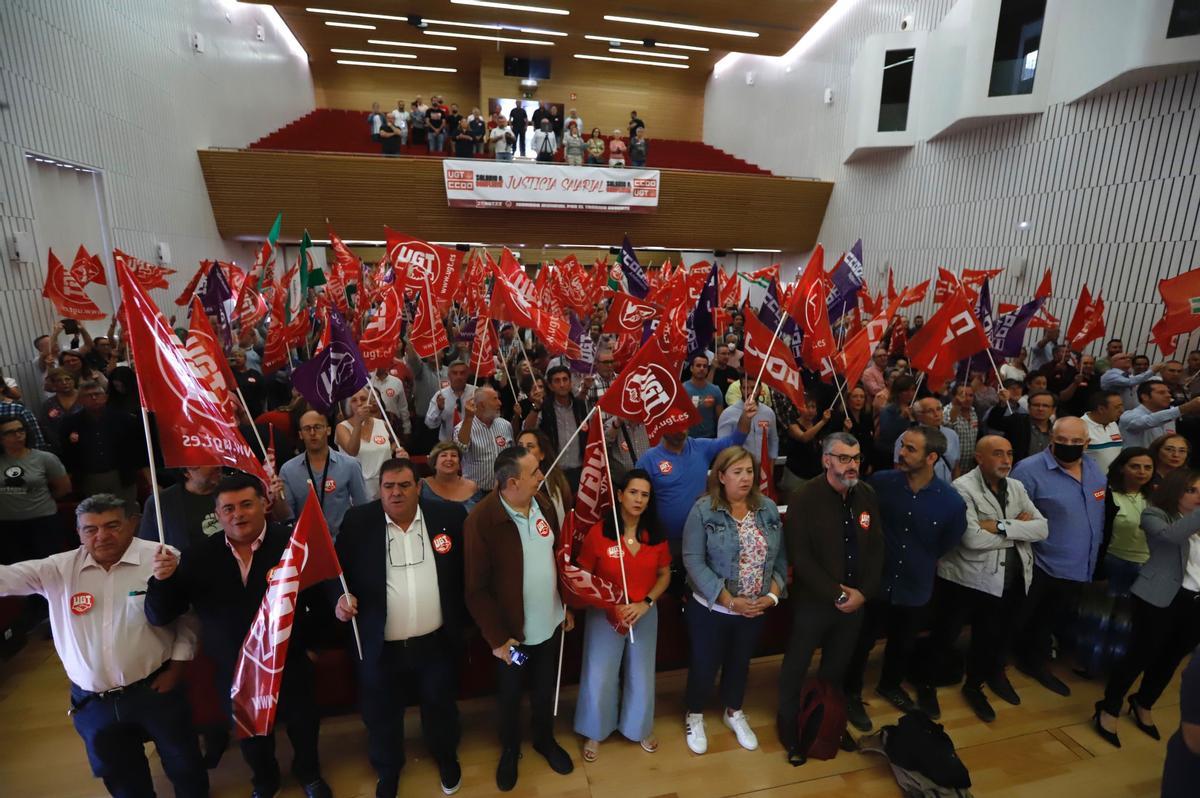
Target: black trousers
{"type": "Point", "coordinates": [113, 730]}
{"type": "Point", "coordinates": [815, 625]}
{"type": "Point", "coordinates": [1048, 597]}
{"type": "Point", "coordinates": [719, 642]}
{"type": "Point", "coordinates": [901, 625]}
{"type": "Point", "coordinates": [519, 144]}
{"type": "Point", "coordinates": [423, 666]}
{"type": "Point", "coordinates": [297, 709]}
{"type": "Point", "coordinates": [540, 671]}
{"type": "Point", "coordinates": [1161, 638]}
{"type": "Point", "coordinates": [992, 619]}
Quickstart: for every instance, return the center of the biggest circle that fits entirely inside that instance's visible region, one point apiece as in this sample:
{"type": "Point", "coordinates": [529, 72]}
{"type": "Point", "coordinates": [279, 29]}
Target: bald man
{"type": "Point", "coordinates": [482, 435]}
{"type": "Point", "coordinates": [985, 578]}
{"type": "Point", "coordinates": [1069, 490]}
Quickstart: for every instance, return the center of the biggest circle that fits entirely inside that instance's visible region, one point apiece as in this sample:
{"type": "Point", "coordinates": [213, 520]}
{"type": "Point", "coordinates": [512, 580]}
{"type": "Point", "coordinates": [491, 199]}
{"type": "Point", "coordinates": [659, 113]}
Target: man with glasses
{"type": "Point", "coordinates": [928, 412]}
{"type": "Point", "coordinates": [410, 613]}
{"type": "Point", "coordinates": [445, 409]}
{"type": "Point", "coordinates": [1029, 432]}
{"type": "Point", "coordinates": [923, 519]}
{"type": "Point", "coordinates": [512, 593]}
{"type": "Point", "coordinates": [593, 386]}
{"type": "Point", "coordinates": [709, 400]}
{"type": "Point", "coordinates": [1068, 489]}
{"type": "Point", "coordinates": [836, 548]}
{"type": "Point", "coordinates": [337, 477]}
{"type": "Point", "coordinates": [873, 379]}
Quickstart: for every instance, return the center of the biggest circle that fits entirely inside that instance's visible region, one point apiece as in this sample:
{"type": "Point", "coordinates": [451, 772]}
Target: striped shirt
{"type": "Point", "coordinates": [479, 456]}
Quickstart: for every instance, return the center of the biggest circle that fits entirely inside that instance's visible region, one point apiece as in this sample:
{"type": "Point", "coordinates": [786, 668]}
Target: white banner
{"type": "Point", "coordinates": [518, 185]}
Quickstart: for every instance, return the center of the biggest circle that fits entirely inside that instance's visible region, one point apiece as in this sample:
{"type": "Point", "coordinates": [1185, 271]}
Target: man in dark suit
{"type": "Point", "coordinates": [562, 413]}
{"type": "Point", "coordinates": [1029, 433]}
{"type": "Point", "coordinates": [224, 579]}
{"type": "Point", "coordinates": [410, 610]}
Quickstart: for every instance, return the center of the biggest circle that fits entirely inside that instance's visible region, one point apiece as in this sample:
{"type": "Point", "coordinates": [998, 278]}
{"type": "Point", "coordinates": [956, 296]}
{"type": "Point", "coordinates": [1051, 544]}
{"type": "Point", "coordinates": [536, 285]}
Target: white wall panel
{"type": "Point", "coordinates": [1109, 184]}
{"type": "Point", "coordinates": [114, 85]}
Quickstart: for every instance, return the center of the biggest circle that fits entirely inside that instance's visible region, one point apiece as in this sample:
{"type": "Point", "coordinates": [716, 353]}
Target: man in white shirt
{"type": "Point", "coordinates": [1119, 377]}
{"type": "Point", "coordinates": [411, 617]}
{"type": "Point", "coordinates": [482, 435]}
{"type": "Point", "coordinates": [125, 674]}
{"type": "Point", "coordinates": [445, 409]}
{"type": "Point", "coordinates": [1104, 434]}
{"type": "Point", "coordinates": [395, 398]}
{"type": "Point", "coordinates": [502, 138]}
{"type": "Point", "coordinates": [399, 119]}
{"type": "Point", "coordinates": [1154, 416]}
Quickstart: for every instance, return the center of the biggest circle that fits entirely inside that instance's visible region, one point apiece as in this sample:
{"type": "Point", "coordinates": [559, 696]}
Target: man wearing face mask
{"type": "Point", "coordinates": [1068, 489]}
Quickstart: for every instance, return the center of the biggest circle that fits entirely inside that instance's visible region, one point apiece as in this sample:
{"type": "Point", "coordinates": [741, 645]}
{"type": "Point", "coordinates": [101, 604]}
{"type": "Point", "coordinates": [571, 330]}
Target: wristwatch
{"type": "Point", "coordinates": [1001, 528]}
{"type": "Point", "coordinates": [649, 601]}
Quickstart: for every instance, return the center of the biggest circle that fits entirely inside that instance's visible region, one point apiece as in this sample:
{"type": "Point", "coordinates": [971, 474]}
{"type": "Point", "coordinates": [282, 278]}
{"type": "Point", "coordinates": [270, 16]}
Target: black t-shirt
{"type": "Point", "coordinates": [464, 145]}
{"type": "Point", "coordinates": [634, 124]}
{"type": "Point", "coordinates": [253, 387]}
{"type": "Point", "coordinates": [477, 128]}
{"type": "Point", "coordinates": [518, 118]}
{"type": "Point", "coordinates": [538, 116]}
{"type": "Point", "coordinates": [452, 121]}
{"type": "Point", "coordinates": [437, 122]}
{"type": "Point", "coordinates": [391, 144]}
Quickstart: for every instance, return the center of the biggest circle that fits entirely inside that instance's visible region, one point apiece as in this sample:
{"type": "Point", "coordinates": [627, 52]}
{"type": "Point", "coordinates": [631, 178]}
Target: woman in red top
{"type": "Point", "coordinates": [643, 549]}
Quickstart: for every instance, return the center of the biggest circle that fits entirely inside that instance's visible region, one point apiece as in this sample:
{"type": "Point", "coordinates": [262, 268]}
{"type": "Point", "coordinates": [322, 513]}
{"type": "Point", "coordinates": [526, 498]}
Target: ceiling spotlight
{"type": "Point", "coordinates": [417, 22]}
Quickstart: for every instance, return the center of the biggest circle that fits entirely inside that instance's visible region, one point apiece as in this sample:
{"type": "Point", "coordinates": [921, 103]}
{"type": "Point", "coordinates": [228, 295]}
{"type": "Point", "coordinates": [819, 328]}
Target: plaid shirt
{"type": "Point", "coordinates": [10, 410]}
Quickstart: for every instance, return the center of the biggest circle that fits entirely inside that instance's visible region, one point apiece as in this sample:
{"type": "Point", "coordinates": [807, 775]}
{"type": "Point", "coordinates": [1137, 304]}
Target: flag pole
{"type": "Point", "coordinates": [562, 449]}
{"type": "Point", "coordinates": [999, 379]}
{"type": "Point", "coordinates": [387, 422]}
{"type": "Point", "coordinates": [840, 388]}
{"type": "Point", "coordinates": [767, 354]}
{"type": "Point", "coordinates": [917, 387]}
{"type": "Point", "coordinates": [253, 427]}
{"type": "Point", "coordinates": [353, 621]}
{"type": "Point", "coordinates": [508, 377]}
{"type": "Point", "coordinates": [562, 643]}
{"type": "Point", "coordinates": [524, 354]}
{"type": "Point", "coordinates": [162, 537]}
{"type": "Point", "coordinates": [618, 530]}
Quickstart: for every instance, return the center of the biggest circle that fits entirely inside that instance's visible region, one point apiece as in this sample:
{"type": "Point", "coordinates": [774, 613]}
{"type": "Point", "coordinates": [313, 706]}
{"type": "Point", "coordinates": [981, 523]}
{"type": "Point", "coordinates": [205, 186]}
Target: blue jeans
{"type": "Point", "coordinates": [1121, 574]}
{"type": "Point", "coordinates": [504, 156]}
{"type": "Point", "coordinates": [437, 142]}
{"type": "Point", "coordinates": [596, 712]}
{"type": "Point", "coordinates": [113, 729]}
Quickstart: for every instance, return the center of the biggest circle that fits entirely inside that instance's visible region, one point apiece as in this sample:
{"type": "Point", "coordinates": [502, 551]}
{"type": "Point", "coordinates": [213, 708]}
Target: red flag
{"type": "Point", "coordinates": [308, 559]}
{"type": "Point", "coordinates": [766, 468]}
{"type": "Point", "coordinates": [269, 462]}
{"type": "Point", "coordinates": [87, 268]}
{"type": "Point", "coordinates": [378, 343]}
{"type": "Point", "coordinates": [582, 589]}
{"type": "Point", "coordinates": [344, 261]}
{"type": "Point", "coordinates": [417, 261]}
{"type": "Point", "coordinates": [208, 361]}
{"type": "Point", "coordinates": [950, 335]}
{"type": "Point", "coordinates": [592, 499]}
{"type": "Point", "coordinates": [627, 315]}
{"type": "Point", "coordinates": [1083, 310]}
{"type": "Point", "coordinates": [891, 287]}
{"type": "Point", "coordinates": [335, 290]}
{"type": "Point", "coordinates": [781, 372]}
{"type": "Point", "coordinates": [977, 276]}
{"type": "Point", "coordinates": [1043, 290]}
{"type": "Point", "coordinates": [856, 354]}
{"type": "Point", "coordinates": [251, 308]}
{"type": "Point", "coordinates": [186, 297]}
{"type": "Point", "coordinates": [648, 389]}
{"type": "Point", "coordinates": [1181, 311]}
{"type": "Point", "coordinates": [275, 354]}
{"type": "Point", "coordinates": [473, 288]}
{"type": "Point", "coordinates": [427, 334]}
{"type": "Point", "coordinates": [1005, 307]}
{"type": "Point", "coordinates": [510, 304]}
{"type": "Point", "coordinates": [808, 306]}
{"type": "Point", "coordinates": [193, 429]}
{"type": "Point", "coordinates": [67, 295]}
{"type": "Point", "coordinates": [149, 275]}
{"type": "Point", "coordinates": [511, 270]}
{"type": "Point", "coordinates": [913, 295]}
{"type": "Point", "coordinates": [947, 284]}
{"type": "Point", "coordinates": [1092, 328]}
{"type": "Point", "coordinates": [483, 348]}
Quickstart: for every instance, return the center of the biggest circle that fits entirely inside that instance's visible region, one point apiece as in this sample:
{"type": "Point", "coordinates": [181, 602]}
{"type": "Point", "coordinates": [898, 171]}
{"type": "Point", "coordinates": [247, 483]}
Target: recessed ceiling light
{"type": "Point", "coordinates": [749, 34]}
{"type": "Point", "coordinates": [420, 45]}
{"type": "Point", "coordinates": [363, 14]}
{"type": "Point", "coordinates": [511, 6]}
{"type": "Point", "coordinates": [452, 23]}
{"type": "Point", "coordinates": [641, 42]}
{"type": "Point", "coordinates": [542, 31]}
{"type": "Point", "coordinates": [487, 38]}
{"type": "Point", "coordinates": [397, 66]}
{"type": "Point", "coordinates": [630, 61]}
{"type": "Point", "coordinates": [751, 249]}
{"type": "Point", "coordinates": [350, 25]}
{"type": "Point", "coordinates": [340, 51]}
{"type": "Point", "coordinates": [651, 53]}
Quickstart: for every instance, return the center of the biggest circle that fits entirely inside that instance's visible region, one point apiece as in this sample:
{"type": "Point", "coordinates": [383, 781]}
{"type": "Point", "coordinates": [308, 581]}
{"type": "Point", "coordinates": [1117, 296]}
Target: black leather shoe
{"type": "Point", "coordinates": [265, 793]}
{"type": "Point", "coordinates": [506, 771]}
{"type": "Point", "coordinates": [387, 787]}
{"type": "Point", "coordinates": [927, 701]}
{"type": "Point", "coordinates": [317, 789]}
{"type": "Point", "coordinates": [848, 743]}
{"type": "Point", "coordinates": [978, 703]}
{"type": "Point", "coordinates": [1003, 689]}
{"type": "Point", "coordinates": [451, 777]}
{"type": "Point", "coordinates": [1045, 678]}
{"type": "Point", "coordinates": [558, 759]}
{"type": "Point", "coordinates": [795, 758]}
{"type": "Point", "coordinates": [856, 713]}
{"type": "Point", "coordinates": [1148, 728]}
{"type": "Point", "coordinates": [897, 697]}
{"type": "Point", "coordinates": [1109, 737]}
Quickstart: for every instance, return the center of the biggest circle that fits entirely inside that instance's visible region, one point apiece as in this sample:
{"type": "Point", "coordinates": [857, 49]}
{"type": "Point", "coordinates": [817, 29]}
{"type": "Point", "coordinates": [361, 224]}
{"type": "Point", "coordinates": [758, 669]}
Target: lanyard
{"type": "Point", "coordinates": [320, 486]}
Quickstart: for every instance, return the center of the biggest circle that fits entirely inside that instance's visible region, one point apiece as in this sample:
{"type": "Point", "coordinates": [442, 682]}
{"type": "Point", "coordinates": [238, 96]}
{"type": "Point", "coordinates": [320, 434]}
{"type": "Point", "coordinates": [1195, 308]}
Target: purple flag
{"type": "Point", "coordinates": [768, 314]}
{"type": "Point", "coordinates": [635, 275]}
{"type": "Point", "coordinates": [586, 364]}
{"type": "Point", "coordinates": [1008, 330]}
{"type": "Point", "coordinates": [336, 372]}
{"type": "Point", "coordinates": [217, 298]}
{"type": "Point", "coordinates": [847, 279]}
{"type": "Point", "coordinates": [701, 327]}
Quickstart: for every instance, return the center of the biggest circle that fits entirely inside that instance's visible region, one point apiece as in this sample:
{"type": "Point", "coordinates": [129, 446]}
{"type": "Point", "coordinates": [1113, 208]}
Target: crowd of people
{"type": "Point", "coordinates": [545, 134]}
{"type": "Point", "coordinates": [908, 508]}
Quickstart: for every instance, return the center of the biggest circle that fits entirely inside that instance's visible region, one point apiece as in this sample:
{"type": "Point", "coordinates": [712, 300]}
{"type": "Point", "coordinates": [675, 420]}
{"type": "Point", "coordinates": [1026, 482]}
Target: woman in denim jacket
{"type": "Point", "coordinates": [737, 569]}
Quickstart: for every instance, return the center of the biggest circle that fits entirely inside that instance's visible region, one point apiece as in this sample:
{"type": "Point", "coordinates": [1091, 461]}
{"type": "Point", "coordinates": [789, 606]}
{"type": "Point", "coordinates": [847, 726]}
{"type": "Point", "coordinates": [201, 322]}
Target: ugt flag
{"type": "Point", "coordinates": [308, 559]}
{"type": "Point", "coordinates": [336, 372]}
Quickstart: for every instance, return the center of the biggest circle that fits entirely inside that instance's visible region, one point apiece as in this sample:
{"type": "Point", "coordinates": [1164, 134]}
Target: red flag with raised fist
{"type": "Point", "coordinates": [648, 389]}
{"type": "Point", "coordinates": [626, 315]}
{"type": "Point", "coordinates": [193, 428]}
{"type": "Point", "coordinates": [781, 372]}
{"type": "Point", "coordinates": [308, 559]}
{"type": "Point", "coordinates": [67, 295]}
{"type": "Point", "coordinates": [417, 261]}
{"type": "Point", "coordinates": [208, 361]}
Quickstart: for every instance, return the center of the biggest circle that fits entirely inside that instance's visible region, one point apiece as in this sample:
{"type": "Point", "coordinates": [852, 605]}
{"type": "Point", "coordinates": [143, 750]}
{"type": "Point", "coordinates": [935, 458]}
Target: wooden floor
{"type": "Point", "coordinates": [1043, 748]}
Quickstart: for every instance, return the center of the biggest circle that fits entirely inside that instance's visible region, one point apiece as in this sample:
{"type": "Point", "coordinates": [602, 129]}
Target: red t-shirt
{"type": "Point", "coordinates": [600, 556]}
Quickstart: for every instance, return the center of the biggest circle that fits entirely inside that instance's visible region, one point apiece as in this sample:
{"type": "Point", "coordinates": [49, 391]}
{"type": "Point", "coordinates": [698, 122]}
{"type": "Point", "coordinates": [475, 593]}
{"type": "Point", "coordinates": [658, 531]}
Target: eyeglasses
{"type": "Point", "coordinates": [1167, 449]}
{"type": "Point", "coordinates": [310, 428]}
{"type": "Point", "coordinates": [12, 433]}
{"type": "Point", "coordinates": [398, 556]}
{"type": "Point", "coordinates": [847, 459]}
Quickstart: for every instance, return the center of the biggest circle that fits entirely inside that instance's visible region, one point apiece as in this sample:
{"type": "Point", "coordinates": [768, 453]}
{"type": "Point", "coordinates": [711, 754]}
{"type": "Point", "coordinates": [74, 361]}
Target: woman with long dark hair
{"type": "Point", "coordinates": [1169, 452]}
{"type": "Point", "coordinates": [555, 487]}
{"type": "Point", "coordinates": [641, 546]}
{"type": "Point", "coordinates": [1166, 606]}
{"type": "Point", "coordinates": [1128, 483]}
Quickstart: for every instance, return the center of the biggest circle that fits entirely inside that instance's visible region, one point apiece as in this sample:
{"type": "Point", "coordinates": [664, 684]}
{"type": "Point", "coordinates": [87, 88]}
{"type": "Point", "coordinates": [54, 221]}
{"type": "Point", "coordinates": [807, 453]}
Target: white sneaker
{"type": "Point", "coordinates": [697, 740]}
{"type": "Point", "coordinates": [741, 727]}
